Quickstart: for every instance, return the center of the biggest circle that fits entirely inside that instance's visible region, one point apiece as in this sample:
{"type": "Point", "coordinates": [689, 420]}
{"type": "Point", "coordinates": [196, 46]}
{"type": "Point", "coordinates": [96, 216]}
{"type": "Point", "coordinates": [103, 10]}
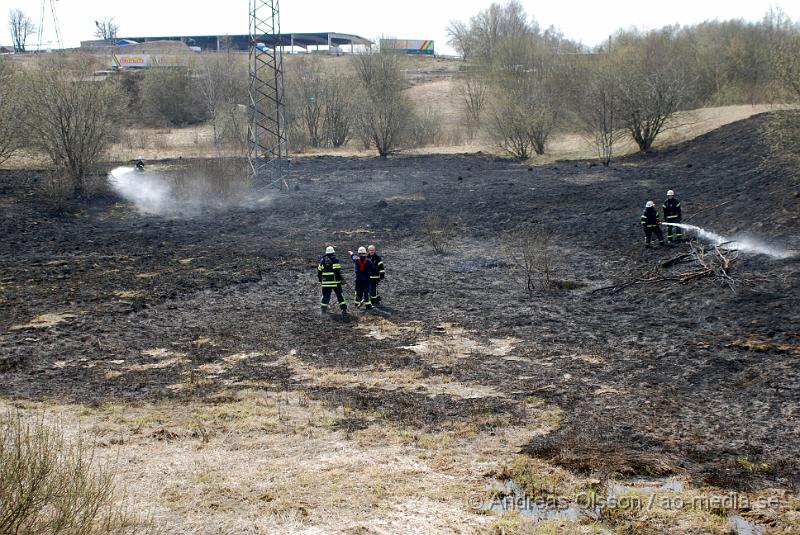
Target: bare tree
{"type": "Point", "coordinates": [384, 115]}
{"type": "Point", "coordinates": [221, 80]}
{"type": "Point", "coordinates": [461, 39]}
{"type": "Point", "coordinates": [171, 96]}
{"type": "Point", "coordinates": [337, 120]}
{"type": "Point", "coordinates": [10, 136]}
{"type": "Point", "coordinates": [526, 102]}
{"type": "Point", "coordinates": [787, 64]}
{"type": "Point", "coordinates": [532, 251]}
{"type": "Point", "coordinates": [309, 97]}
{"type": "Point", "coordinates": [106, 29]}
{"type": "Point", "coordinates": [68, 116]}
{"type": "Point", "coordinates": [473, 92]}
{"type": "Point", "coordinates": [652, 88]}
{"type": "Point", "coordinates": [596, 102]}
{"type": "Point", "coordinates": [21, 27]}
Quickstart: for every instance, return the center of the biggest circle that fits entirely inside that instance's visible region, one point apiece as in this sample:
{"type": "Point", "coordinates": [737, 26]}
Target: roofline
{"type": "Point", "coordinates": [287, 36]}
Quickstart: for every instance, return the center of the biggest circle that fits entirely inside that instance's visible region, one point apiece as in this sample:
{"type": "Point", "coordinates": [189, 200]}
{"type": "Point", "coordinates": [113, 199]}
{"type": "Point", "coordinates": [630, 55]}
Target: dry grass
{"type": "Point", "coordinates": [259, 457]}
{"type": "Point", "coordinates": [44, 321]}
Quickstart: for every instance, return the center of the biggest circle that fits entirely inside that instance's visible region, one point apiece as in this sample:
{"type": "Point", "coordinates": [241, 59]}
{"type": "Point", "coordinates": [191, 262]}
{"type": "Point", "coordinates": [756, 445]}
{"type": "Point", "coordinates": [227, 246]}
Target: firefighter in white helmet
{"type": "Point", "coordinates": [651, 224]}
{"type": "Point", "coordinates": [672, 214]}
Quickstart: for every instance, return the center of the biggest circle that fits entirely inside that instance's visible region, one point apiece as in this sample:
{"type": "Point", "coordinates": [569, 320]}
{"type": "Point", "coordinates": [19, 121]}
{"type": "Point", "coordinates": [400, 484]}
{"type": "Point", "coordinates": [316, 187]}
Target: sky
{"type": "Point", "coordinates": [588, 21]}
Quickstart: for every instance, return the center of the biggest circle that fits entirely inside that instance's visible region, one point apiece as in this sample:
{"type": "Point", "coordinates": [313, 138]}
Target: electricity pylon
{"type": "Point", "coordinates": [268, 148]}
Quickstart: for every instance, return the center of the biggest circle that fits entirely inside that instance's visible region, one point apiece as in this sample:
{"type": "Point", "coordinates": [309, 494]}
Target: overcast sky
{"type": "Point", "coordinates": [589, 21]}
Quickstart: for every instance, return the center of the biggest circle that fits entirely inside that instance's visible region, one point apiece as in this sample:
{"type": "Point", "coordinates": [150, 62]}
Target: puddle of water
{"type": "Point", "coordinates": [742, 526]}
{"type": "Point", "coordinates": [509, 496]}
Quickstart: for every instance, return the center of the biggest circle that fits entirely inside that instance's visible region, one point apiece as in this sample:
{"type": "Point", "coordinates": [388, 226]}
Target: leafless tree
{"type": "Point", "coordinates": [337, 119]}
{"type": "Point", "coordinates": [10, 135]}
{"type": "Point", "coordinates": [652, 88]}
{"type": "Point", "coordinates": [473, 92]}
{"type": "Point", "coordinates": [170, 96]}
{"type": "Point", "coordinates": [221, 80]}
{"type": "Point", "coordinates": [424, 128]}
{"type": "Point", "coordinates": [21, 27]}
{"type": "Point", "coordinates": [526, 102]}
{"type": "Point", "coordinates": [489, 27]}
{"type": "Point", "coordinates": [68, 116]}
{"type": "Point", "coordinates": [532, 251]}
{"type": "Point", "coordinates": [383, 117]}
{"type": "Point", "coordinates": [461, 39]}
{"type": "Point", "coordinates": [787, 63]}
{"type": "Point", "coordinates": [309, 97]}
{"type": "Point", "coordinates": [596, 103]}
{"type": "Point", "coordinates": [106, 29]}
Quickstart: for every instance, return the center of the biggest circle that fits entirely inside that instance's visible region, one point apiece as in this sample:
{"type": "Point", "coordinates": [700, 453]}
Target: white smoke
{"type": "Point", "coordinates": [149, 192]}
{"type": "Point", "coordinates": [156, 194]}
{"type": "Point", "coordinates": [744, 244]}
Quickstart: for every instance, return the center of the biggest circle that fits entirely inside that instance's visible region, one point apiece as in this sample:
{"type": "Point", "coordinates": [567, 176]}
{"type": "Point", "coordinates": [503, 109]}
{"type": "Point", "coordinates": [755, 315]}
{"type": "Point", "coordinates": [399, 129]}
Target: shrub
{"type": "Point", "coordinates": [437, 232]}
{"type": "Point", "coordinates": [48, 485]}
{"type": "Point", "coordinates": [167, 97]}
{"type": "Point", "coordinates": [384, 113]}
{"type": "Point", "coordinates": [69, 116]}
{"type": "Point", "coordinates": [532, 251]}
{"type": "Point", "coordinates": [10, 136]}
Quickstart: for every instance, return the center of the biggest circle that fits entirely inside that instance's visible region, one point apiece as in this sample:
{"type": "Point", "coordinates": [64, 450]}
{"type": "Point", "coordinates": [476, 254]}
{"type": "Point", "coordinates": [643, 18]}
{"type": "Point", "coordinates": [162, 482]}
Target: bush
{"type": "Point", "coordinates": [55, 189]}
{"type": "Point", "coordinates": [424, 128]}
{"type": "Point", "coordinates": [69, 116]}
{"type": "Point", "coordinates": [48, 485]}
{"type": "Point", "coordinates": [532, 251]}
{"type": "Point", "coordinates": [221, 81]}
{"type": "Point", "coordinates": [384, 113]}
{"type": "Point", "coordinates": [10, 136]}
{"type": "Point", "coordinates": [437, 232]}
{"type": "Point", "coordinates": [167, 97]}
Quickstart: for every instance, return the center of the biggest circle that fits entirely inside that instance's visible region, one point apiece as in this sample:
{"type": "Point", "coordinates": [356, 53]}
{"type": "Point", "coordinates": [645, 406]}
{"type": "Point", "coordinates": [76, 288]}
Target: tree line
{"type": "Point", "coordinates": [522, 83]}
{"type": "Point", "coordinates": [518, 85]}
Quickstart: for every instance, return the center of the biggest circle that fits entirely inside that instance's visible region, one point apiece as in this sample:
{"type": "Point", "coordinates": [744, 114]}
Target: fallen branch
{"type": "Point", "coordinates": [714, 264]}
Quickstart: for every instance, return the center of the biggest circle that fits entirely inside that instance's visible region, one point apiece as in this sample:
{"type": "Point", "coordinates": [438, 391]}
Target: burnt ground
{"type": "Point", "coordinates": [690, 378]}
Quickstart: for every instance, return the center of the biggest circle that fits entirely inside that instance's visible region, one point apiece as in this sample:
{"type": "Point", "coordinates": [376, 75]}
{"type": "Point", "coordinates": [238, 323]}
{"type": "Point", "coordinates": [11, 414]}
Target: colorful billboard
{"type": "Point", "coordinates": [409, 46]}
{"type": "Point", "coordinates": [143, 61]}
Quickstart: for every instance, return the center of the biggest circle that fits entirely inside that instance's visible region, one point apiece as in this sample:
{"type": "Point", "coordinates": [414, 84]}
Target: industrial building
{"type": "Point", "coordinates": [330, 41]}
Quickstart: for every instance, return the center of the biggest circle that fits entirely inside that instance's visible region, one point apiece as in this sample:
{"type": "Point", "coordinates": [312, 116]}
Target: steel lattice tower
{"type": "Point", "coordinates": [268, 152]}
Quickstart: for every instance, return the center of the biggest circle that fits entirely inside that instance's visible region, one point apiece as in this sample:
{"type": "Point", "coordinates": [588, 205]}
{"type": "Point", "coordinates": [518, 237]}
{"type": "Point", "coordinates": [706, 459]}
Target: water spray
{"type": "Point", "coordinates": [747, 245]}
{"type": "Point", "coordinates": [149, 193]}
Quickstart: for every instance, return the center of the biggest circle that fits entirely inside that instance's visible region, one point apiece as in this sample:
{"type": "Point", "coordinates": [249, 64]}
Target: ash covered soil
{"type": "Point", "coordinates": [656, 379]}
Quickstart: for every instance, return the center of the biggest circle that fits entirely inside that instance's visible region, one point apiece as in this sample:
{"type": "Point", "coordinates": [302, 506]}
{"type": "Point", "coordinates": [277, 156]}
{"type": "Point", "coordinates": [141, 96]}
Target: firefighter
{"type": "Point", "coordinates": [651, 224]}
{"type": "Point", "coordinates": [377, 261]}
{"type": "Point", "coordinates": [365, 269]}
{"type": "Point", "coordinates": [672, 214]}
{"type": "Point", "coordinates": [329, 273]}
{"type": "Point", "coordinates": [139, 167]}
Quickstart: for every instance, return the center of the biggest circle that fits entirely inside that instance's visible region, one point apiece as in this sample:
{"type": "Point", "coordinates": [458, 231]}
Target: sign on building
{"type": "Point", "coordinates": [409, 46]}
{"type": "Point", "coordinates": [143, 61]}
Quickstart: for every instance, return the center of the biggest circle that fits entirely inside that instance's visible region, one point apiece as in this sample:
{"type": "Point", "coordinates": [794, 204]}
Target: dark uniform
{"type": "Point", "coordinates": [365, 269]}
{"type": "Point", "coordinates": [652, 225]}
{"type": "Point", "coordinates": [672, 214]}
{"type": "Point", "coordinates": [329, 273]}
{"type": "Point", "coordinates": [377, 261]}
